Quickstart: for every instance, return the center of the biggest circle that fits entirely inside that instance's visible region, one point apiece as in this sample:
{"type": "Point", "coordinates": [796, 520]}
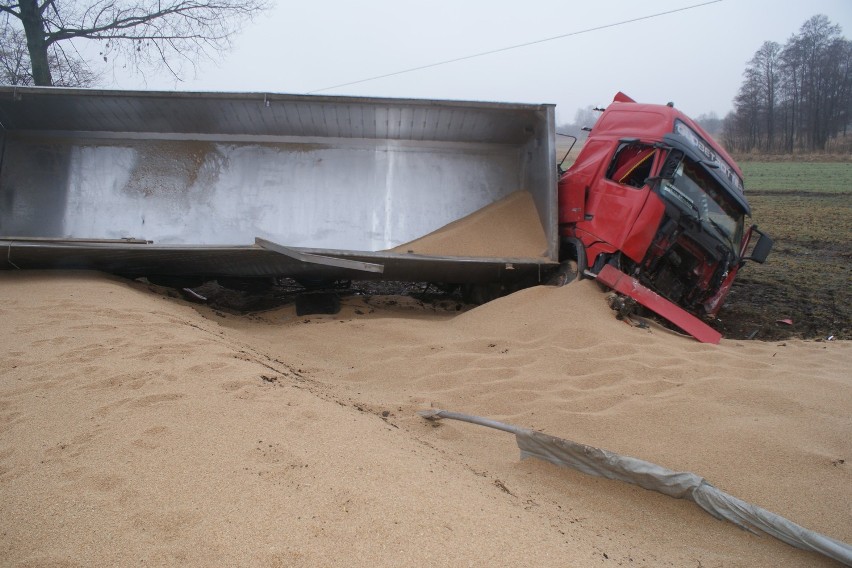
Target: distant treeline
{"type": "Point", "coordinates": [796, 97]}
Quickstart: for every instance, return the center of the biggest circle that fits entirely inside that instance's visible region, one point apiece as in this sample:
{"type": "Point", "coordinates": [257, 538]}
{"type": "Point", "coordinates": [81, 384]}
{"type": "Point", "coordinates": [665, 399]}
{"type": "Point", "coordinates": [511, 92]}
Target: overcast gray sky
{"type": "Point", "coordinates": [694, 57]}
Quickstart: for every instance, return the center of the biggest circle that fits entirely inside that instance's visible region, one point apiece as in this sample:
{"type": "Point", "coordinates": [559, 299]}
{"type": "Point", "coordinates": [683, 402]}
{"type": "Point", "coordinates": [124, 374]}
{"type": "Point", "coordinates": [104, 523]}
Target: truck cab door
{"type": "Point", "coordinates": [618, 199]}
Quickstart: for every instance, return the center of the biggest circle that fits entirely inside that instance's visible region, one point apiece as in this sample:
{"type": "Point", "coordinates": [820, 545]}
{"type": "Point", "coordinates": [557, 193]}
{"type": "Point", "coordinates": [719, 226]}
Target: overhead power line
{"type": "Point", "coordinates": [518, 46]}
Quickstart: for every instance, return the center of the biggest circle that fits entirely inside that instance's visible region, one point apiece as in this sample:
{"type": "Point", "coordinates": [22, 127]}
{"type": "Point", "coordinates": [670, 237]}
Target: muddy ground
{"type": "Point", "coordinates": [808, 277]}
{"type": "Point", "coordinates": [758, 308]}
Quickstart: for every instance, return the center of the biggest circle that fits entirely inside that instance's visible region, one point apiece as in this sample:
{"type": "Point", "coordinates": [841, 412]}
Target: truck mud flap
{"type": "Point", "coordinates": [624, 284]}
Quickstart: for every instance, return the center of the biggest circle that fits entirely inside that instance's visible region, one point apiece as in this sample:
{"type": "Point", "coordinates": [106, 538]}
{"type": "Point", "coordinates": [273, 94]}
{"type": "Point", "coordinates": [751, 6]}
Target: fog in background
{"type": "Point", "coordinates": [694, 57]}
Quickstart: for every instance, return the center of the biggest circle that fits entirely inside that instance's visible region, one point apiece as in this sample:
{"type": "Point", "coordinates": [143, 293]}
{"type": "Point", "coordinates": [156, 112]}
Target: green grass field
{"type": "Point", "coordinates": [798, 176]}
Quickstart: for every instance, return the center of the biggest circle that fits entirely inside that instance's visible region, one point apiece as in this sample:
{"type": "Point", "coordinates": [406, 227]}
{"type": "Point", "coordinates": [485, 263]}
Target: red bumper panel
{"type": "Point", "coordinates": [620, 282]}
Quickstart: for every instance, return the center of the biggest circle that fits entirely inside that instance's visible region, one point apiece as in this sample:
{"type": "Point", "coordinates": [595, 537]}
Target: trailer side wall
{"type": "Point", "coordinates": [195, 169]}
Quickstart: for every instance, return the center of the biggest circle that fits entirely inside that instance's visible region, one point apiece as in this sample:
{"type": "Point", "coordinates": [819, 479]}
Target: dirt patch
{"type": "Point", "coordinates": [808, 304]}
{"type": "Point", "coordinates": [806, 279]}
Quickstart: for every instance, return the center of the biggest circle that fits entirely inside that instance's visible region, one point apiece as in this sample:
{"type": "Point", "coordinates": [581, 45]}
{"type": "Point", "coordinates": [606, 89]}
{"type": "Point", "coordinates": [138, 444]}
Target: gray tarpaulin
{"type": "Point", "coordinates": [679, 484]}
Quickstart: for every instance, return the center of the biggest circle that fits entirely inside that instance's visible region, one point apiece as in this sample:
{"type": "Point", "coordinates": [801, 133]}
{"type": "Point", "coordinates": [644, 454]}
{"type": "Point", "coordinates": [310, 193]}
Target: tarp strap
{"type": "Point", "coordinates": [678, 484]}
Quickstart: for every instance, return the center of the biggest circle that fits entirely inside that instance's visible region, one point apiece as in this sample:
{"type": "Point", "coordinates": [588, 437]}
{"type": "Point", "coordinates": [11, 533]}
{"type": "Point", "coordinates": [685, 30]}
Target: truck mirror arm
{"type": "Point", "coordinates": [571, 147]}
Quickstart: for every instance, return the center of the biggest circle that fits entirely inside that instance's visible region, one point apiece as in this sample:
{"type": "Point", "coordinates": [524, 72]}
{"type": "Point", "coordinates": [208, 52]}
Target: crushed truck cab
{"type": "Point", "coordinates": [652, 195]}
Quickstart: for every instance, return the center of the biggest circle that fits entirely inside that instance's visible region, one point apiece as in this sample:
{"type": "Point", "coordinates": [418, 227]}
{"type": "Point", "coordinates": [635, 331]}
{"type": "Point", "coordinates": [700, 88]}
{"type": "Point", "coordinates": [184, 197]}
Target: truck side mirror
{"type": "Point", "coordinates": [762, 248]}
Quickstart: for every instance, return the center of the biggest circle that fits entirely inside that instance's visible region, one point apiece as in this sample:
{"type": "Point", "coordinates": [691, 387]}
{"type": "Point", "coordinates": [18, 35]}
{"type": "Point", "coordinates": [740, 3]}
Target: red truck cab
{"type": "Point", "coordinates": [654, 196]}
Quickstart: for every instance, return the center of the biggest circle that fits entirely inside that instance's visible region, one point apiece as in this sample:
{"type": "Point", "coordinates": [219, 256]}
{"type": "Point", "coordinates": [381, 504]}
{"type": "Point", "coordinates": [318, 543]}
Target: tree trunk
{"type": "Point", "coordinates": [36, 42]}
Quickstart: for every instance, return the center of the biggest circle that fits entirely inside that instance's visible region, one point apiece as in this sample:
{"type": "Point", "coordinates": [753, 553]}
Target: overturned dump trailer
{"type": "Point", "coordinates": [201, 186]}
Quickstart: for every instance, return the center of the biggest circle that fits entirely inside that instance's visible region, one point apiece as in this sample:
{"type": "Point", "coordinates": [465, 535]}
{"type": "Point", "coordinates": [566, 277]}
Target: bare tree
{"type": "Point", "coordinates": [149, 33]}
{"type": "Point", "coordinates": [584, 118]}
{"type": "Point", "coordinates": [811, 61]}
{"type": "Point", "coordinates": [756, 102]}
{"type": "Point", "coordinates": [67, 70]}
{"type": "Point", "coordinates": [710, 122]}
{"type": "Point", "coordinates": [746, 123]}
{"type": "Point", "coordinates": [765, 64]}
{"type": "Point", "coordinates": [14, 60]}
{"type": "Point", "coordinates": [798, 97]}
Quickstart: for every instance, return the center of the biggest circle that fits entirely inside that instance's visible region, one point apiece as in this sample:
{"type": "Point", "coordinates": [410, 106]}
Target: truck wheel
{"type": "Point", "coordinates": [567, 272]}
{"type": "Point", "coordinates": [572, 249]}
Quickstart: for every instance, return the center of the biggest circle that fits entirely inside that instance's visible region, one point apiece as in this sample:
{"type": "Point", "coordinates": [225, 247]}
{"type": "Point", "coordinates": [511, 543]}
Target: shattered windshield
{"type": "Point", "coordinates": [696, 190]}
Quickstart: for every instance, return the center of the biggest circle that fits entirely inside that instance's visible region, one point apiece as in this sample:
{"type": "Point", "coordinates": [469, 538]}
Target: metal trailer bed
{"type": "Point", "coordinates": [145, 183]}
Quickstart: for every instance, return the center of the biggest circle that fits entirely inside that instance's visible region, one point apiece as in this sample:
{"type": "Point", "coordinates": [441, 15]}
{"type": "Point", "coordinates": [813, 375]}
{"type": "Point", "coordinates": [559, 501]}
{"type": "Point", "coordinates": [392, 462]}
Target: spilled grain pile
{"type": "Point", "coordinates": [509, 228]}
{"type": "Point", "coordinates": [140, 429]}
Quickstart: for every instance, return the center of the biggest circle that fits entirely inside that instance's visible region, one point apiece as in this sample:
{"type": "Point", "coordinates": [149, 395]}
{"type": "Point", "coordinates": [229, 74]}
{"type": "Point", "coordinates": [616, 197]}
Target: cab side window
{"type": "Point", "coordinates": [632, 164]}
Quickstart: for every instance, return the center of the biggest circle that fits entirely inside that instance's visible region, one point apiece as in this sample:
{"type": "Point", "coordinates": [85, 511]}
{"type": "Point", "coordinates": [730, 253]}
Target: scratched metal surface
{"type": "Point", "coordinates": [199, 169]}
